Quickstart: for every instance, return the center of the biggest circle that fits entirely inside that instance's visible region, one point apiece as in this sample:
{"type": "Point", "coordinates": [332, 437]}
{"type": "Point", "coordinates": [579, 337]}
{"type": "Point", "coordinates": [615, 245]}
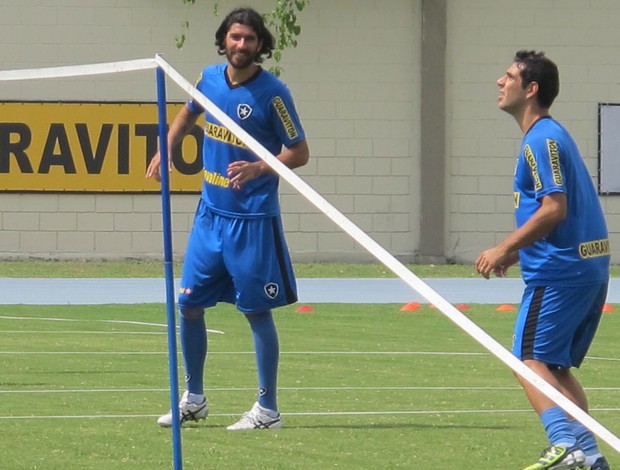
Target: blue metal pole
{"type": "Point", "coordinates": [168, 269]}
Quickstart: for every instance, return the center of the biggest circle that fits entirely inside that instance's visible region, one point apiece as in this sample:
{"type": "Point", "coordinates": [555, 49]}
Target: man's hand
{"type": "Point", "coordinates": [495, 260]}
{"type": "Point", "coordinates": [241, 172]}
{"type": "Point", "coordinates": [154, 168]}
{"type": "Point", "coordinates": [181, 126]}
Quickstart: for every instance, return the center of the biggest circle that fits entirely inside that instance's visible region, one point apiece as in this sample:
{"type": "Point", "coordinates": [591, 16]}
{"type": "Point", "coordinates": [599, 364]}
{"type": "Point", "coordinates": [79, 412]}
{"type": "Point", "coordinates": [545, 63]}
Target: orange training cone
{"type": "Point", "coordinates": [304, 309]}
{"type": "Point", "coordinates": [410, 307]}
{"type": "Point", "coordinates": [505, 308]}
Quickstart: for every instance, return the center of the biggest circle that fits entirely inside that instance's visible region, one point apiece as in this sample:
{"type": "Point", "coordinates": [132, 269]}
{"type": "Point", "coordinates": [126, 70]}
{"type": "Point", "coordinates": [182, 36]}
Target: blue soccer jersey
{"type": "Point", "coordinates": [577, 251]}
{"type": "Point", "coordinates": [264, 108]}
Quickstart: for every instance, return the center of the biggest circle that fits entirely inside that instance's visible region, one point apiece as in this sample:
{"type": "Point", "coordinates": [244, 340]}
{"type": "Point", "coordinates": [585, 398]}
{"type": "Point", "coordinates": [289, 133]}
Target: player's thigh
{"type": "Point", "coordinates": [257, 257]}
{"type": "Point", "coordinates": [594, 302]}
{"type": "Point", "coordinates": [205, 281]}
{"type": "Point", "coordinates": [551, 322]}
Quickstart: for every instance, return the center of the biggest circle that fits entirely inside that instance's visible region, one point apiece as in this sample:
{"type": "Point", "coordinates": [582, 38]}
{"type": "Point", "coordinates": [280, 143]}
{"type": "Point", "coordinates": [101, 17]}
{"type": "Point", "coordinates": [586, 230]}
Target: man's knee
{"type": "Point", "coordinates": [192, 313]}
{"type": "Point", "coordinates": [265, 315]}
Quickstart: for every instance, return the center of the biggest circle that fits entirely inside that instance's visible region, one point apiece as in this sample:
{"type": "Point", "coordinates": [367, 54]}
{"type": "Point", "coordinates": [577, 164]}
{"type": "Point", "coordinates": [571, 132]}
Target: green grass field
{"type": "Point", "coordinates": [154, 268]}
{"type": "Point", "coordinates": [361, 387]}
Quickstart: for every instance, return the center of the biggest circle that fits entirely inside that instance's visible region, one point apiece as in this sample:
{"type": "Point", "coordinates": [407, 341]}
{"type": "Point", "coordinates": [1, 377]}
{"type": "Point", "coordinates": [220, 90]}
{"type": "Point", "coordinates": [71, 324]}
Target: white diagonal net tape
{"type": "Point", "coordinates": [78, 70]}
{"type": "Point", "coordinates": [336, 216]}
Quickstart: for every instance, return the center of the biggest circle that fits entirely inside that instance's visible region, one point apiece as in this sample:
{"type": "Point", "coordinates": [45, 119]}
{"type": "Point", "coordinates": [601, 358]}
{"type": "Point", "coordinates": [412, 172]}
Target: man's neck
{"type": "Point", "coordinates": [238, 76]}
{"type": "Point", "coordinates": [530, 116]}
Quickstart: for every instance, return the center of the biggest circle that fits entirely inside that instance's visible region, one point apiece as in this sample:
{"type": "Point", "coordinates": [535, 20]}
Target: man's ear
{"type": "Point", "coordinates": [532, 89]}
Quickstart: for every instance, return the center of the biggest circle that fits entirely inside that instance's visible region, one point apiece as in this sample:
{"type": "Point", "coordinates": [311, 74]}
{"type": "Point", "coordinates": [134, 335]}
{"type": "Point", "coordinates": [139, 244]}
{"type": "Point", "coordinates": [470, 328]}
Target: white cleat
{"type": "Point", "coordinates": [257, 418]}
{"type": "Point", "coordinates": [187, 410]}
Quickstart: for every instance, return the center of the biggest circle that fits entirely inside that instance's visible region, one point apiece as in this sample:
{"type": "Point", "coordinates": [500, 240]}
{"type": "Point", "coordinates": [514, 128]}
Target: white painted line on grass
{"type": "Point", "coordinates": [296, 389]}
{"type": "Point", "coordinates": [81, 353]}
{"type": "Point", "coordinates": [290, 353]}
{"type": "Point", "coordinates": [603, 358]}
{"type": "Point", "coordinates": [245, 389]}
{"type": "Point", "coordinates": [232, 353]}
{"type": "Point", "coordinates": [309, 413]}
{"type": "Point", "coordinates": [76, 332]}
{"type": "Point", "coordinates": [122, 322]}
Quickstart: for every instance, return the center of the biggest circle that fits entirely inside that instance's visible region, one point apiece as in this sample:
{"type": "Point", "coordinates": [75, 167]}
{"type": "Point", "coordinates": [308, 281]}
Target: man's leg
{"type": "Point", "coordinates": [193, 335]}
{"type": "Point", "coordinates": [556, 422]}
{"type": "Point", "coordinates": [267, 349]}
{"type": "Point", "coordinates": [572, 389]}
{"type": "Point", "coordinates": [193, 405]}
{"type": "Point", "coordinates": [264, 414]}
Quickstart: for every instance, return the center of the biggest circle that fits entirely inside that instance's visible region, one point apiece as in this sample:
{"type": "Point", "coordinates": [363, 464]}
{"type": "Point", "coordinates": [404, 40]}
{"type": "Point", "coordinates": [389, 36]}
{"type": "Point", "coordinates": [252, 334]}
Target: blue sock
{"type": "Point", "coordinates": [267, 356]}
{"type": "Point", "coordinates": [194, 346]}
{"type": "Point", "coordinates": [585, 438]}
{"type": "Point", "coordinates": [557, 426]}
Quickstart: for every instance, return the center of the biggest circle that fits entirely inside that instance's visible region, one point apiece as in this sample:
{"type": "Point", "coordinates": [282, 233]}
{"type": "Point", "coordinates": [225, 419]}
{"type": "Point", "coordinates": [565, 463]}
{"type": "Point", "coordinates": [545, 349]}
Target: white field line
{"type": "Point", "coordinates": [233, 353]}
{"type": "Point", "coordinates": [81, 333]}
{"type": "Point", "coordinates": [127, 322]}
{"type": "Point", "coordinates": [595, 358]}
{"type": "Point", "coordinates": [308, 413]}
{"type": "Point", "coordinates": [120, 322]}
{"type": "Point", "coordinates": [297, 389]}
{"type": "Point", "coordinates": [288, 353]}
{"type": "Point", "coordinates": [245, 353]}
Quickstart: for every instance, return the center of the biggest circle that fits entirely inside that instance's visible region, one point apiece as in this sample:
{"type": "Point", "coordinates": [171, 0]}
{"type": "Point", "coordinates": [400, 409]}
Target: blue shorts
{"type": "Point", "coordinates": [556, 325]}
{"type": "Point", "coordinates": [240, 261]}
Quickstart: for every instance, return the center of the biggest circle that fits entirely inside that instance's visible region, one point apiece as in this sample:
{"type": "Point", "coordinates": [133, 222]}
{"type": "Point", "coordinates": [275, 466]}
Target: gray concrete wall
{"type": "Point", "coordinates": [583, 39]}
{"type": "Point", "coordinates": [398, 99]}
{"type": "Point", "coordinates": [357, 95]}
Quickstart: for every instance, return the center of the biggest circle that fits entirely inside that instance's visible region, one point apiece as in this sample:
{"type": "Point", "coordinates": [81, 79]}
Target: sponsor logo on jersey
{"type": "Point", "coordinates": [221, 134]}
{"type": "Point", "coordinates": [531, 161]}
{"type": "Point", "coordinates": [244, 111]}
{"type": "Point", "coordinates": [285, 117]}
{"type": "Point", "coordinates": [594, 248]}
{"type": "Point", "coordinates": [554, 159]}
{"type": "Point", "coordinates": [216, 179]}
{"type": "Point", "coordinates": [272, 290]}
{"type": "Point", "coordinates": [517, 196]}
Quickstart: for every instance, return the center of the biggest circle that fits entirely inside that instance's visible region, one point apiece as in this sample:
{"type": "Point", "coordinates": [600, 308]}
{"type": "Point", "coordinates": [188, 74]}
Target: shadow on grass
{"type": "Point", "coordinates": [419, 426]}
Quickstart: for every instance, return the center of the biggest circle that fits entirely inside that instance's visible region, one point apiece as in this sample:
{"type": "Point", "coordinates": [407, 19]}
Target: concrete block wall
{"type": "Point", "coordinates": [359, 120]}
{"type": "Point", "coordinates": [483, 36]}
{"type": "Point", "coordinates": [87, 226]}
{"type": "Point", "coordinates": [356, 76]}
{"type": "Point", "coordinates": [358, 96]}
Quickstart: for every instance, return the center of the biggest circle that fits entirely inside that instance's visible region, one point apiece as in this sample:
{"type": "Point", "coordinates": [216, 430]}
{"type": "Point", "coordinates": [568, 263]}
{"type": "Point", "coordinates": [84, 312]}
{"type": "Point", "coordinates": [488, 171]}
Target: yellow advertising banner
{"type": "Point", "coordinates": [90, 147]}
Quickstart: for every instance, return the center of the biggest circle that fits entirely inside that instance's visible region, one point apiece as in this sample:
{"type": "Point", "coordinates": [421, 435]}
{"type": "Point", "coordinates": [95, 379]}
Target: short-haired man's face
{"type": "Point", "coordinates": [511, 93]}
{"type": "Point", "coordinates": [241, 46]}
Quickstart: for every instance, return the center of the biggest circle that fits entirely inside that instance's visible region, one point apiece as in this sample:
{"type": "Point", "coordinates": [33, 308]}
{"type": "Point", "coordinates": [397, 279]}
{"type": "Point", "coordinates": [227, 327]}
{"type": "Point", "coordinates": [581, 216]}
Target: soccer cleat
{"type": "Point", "coordinates": [257, 418]}
{"type": "Point", "coordinates": [187, 410]}
{"type": "Point", "coordinates": [559, 457]}
{"type": "Point", "coordinates": [600, 464]}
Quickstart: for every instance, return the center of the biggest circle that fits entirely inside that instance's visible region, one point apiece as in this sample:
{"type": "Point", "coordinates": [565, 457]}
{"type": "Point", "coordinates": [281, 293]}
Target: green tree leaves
{"type": "Point", "coordinates": [282, 21]}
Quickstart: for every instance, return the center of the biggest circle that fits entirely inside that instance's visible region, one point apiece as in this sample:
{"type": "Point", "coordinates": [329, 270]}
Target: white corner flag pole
{"type": "Point", "coordinates": [392, 263]}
